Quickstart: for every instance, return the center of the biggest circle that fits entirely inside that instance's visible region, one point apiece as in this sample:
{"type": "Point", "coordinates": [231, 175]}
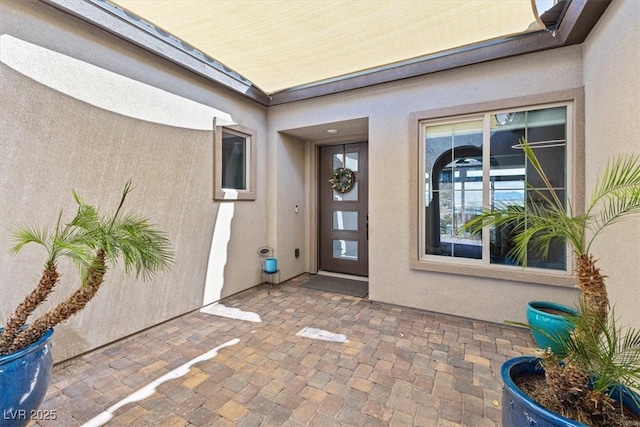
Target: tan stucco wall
{"type": "Point", "coordinates": [392, 151]}
{"type": "Point", "coordinates": [611, 94]}
{"type": "Point", "coordinates": [612, 89]}
{"type": "Point", "coordinates": [51, 143]}
{"type": "Point", "coordinates": [290, 215]}
{"type": "Point", "coordinates": [605, 67]}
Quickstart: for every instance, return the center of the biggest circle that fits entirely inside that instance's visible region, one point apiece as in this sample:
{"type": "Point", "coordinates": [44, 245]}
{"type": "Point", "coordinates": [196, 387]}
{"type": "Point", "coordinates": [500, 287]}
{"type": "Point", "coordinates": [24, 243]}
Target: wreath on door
{"type": "Point", "coordinates": [342, 180]}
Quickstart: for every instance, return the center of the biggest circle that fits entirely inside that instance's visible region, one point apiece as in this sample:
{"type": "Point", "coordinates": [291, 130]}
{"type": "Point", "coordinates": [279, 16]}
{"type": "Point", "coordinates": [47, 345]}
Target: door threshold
{"type": "Point", "coordinates": [343, 276]}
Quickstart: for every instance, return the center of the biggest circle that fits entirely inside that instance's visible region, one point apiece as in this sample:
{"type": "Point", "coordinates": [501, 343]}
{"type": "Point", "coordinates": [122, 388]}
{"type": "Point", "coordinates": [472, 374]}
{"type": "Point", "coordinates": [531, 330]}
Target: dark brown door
{"type": "Point", "coordinates": [344, 234]}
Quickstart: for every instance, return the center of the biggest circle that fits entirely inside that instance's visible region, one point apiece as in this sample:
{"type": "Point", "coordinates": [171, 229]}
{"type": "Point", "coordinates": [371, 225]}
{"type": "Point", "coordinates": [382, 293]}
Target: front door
{"type": "Point", "coordinates": [343, 228]}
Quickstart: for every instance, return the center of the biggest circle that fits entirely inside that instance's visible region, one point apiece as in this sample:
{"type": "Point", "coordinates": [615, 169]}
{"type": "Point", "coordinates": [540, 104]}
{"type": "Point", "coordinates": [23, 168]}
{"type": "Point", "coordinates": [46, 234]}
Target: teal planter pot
{"type": "Point", "coordinates": [549, 320]}
{"type": "Point", "coordinates": [24, 380]}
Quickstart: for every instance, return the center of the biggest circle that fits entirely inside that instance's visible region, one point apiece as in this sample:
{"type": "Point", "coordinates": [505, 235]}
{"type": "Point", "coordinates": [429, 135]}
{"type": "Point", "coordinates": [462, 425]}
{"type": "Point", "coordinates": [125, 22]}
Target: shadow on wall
{"type": "Point", "coordinates": [130, 99]}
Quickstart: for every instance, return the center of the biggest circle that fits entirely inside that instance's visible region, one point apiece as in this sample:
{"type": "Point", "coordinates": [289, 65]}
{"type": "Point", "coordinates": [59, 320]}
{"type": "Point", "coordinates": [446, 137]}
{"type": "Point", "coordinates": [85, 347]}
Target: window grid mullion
{"type": "Point", "coordinates": [486, 181]}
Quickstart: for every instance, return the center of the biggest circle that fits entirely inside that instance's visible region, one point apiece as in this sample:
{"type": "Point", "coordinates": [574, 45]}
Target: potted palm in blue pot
{"type": "Point", "coordinates": [586, 363]}
{"type": "Point", "coordinates": [93, 240]}
{"type": "Point", "coordinates": [24, 378]}
{"type": "Point", "coordinates": [589, 384]}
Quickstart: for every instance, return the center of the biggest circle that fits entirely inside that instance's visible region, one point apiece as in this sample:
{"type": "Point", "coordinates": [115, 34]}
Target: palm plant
{"type": "Point", "coordinates": [92, 241]}
{"type": "Point", "coordinates": [597, 354]}
{"type": "Point", "coordinates": [59, 242]}
{"type": "Point", "coordinates": [593, 364]}
{"type": "Point", "coordinates": [538, 226]}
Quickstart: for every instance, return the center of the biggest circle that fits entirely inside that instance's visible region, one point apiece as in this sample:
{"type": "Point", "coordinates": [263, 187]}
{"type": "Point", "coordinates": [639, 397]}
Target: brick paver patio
{"type": "Point", "coordinates": [398, 367]}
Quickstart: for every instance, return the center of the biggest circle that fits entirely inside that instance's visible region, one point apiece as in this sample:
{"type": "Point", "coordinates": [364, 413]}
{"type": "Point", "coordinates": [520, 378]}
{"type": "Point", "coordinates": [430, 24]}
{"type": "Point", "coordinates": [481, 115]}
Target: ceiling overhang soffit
{"type": "Point", "coordinates": [282, 51]}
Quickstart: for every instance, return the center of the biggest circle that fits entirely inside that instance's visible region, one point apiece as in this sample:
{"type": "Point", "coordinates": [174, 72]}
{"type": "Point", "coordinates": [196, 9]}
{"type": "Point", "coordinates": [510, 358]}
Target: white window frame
{"type": "Point", "coordinates": [232, 194]}
{"type": "Point", "coordinates": [574, 101]}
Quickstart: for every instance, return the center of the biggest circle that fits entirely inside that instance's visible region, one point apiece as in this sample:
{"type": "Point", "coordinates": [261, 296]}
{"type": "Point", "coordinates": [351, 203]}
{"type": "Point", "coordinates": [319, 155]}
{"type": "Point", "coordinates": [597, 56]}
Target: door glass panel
{"type": "Point", "coordinates": [345, 220]}
{"type": "Point", "coordinates": [349, 196]}
{"type": "Point", "coordinates": [352, 161]}
{"type": "Point", "coordinates": [345, 249]}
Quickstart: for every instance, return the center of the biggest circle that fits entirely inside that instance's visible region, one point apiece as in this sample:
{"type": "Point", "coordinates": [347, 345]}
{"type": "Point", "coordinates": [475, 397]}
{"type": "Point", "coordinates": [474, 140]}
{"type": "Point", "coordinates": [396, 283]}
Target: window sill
{"type": "Point", "coordinates": [230, 195]}
{"type": "Point", "coordinates": [507, 273]}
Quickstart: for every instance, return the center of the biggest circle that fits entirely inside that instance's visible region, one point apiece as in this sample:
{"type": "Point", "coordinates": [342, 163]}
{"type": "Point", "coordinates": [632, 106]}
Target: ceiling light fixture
{"type": "Point", "coordinates": [332, 131]}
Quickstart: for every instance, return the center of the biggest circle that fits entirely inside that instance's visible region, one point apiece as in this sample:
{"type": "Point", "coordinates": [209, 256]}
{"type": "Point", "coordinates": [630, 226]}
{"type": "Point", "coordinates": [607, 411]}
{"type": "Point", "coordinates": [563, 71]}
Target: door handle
{"type": "Point", "coordinates": [367, 227]}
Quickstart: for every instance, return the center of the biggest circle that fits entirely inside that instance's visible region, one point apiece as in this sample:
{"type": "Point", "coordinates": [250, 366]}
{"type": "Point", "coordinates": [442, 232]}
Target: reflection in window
{"type": "Point", "coordinates": [234, 175]}
{"type": "Point", "coordinates": [351, 163]}
{"type": "Point", "coordinates": [345, 220]}
{"type": "Point", "coordinates": [345, 249]}
{"type": "Point", "coordinates": [454, 160]}
{"type": "Point", "coordinates": [349, 196]}
{"type": "Point", "coordinates": [234, 148]}
{"type": "Point", "coordinates": [462, 177]}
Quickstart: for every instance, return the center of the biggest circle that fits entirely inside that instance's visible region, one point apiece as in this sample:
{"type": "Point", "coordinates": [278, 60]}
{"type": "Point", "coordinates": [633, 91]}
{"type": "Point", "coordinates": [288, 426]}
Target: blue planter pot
{"type": "Point", "coordinates": [270, 265]}
{"type": "Point", "coordinates": [24, 379]}
{"type": "Point", "coordinates": [519, 410]}
{"type": "Point", "coordinates": [547, 322]}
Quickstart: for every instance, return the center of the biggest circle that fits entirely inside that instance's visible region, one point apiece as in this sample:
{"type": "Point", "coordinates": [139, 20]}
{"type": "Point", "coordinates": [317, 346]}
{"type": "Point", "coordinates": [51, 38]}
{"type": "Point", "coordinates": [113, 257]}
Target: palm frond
{"type": "Point", "coordinates": [546, 227]}
{"type": "Point", "coordinates": [615, 207]}
{"type": "Point", "coordinates": [86, 219]}
{"type": "Point", "coordinates": [621, 173]}
{"type": "Point", "coordinates": [536, 226]}
{"type": "Point", "coordinates": [533, 160]}
{"type": "Point", "coordinates": [542, 222]}
{"type": "Point", "coordinates": [80, 255]}
{"type": "Point", "coordinates": [89, 240]}
{"type": "Point", "coordinates": [24, 234]}
{"type": "Point", "coordinates": [609, 352]}
{"type": "Point", "coordinates": [502, 214]}
{"type": "Point", "coordinates": [616, 195]}
{"type": "Point", "coordinates": [539, 224]}
{"type": "Point", "coordinates": [127, 189]}
{"type": "Point", "coordinates": [69, 241]}
{"type": "Point", "coordinates": [142, 246]}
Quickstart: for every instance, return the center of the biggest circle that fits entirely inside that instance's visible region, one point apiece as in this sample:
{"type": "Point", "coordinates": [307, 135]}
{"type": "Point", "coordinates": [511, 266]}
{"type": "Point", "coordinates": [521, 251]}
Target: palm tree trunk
{"type": "Point", "coordinates": [570, 389]}
{"type": "Point", "coordinates": [17, 319]}
{"type": "Point", "coordinates": [67, 308]}
{"type": "Point", "coordinates": [569, 382]}
{"type": "Point", "coordinates": [591, 283]}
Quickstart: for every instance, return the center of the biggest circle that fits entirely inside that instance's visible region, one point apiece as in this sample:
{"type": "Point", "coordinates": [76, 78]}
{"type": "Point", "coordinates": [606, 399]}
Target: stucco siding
{"type": "Point", "coordinates": [612, 91]}
{"type": "Point", "coordinates": [53, 142]}
{"type": "Point", "coordinates": [290, 216]}
{"type": "Point", "coordinates": [391, 153]}
{"type": "Point", "coordinates": [143, 118]}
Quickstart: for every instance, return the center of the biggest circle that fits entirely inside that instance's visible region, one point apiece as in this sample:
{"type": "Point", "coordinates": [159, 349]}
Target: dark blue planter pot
{"type": "Point", "coordinates": [547, 328]}
{"type": "Point", "coordinates": [24, 379]}
{"type": "Point", "coordinates": [519, 410]}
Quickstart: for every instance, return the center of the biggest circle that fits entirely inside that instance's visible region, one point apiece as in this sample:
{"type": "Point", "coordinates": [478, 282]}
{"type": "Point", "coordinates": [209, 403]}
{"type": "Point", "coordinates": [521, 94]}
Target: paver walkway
{"type": "Point", "coordinates": [398, 367]}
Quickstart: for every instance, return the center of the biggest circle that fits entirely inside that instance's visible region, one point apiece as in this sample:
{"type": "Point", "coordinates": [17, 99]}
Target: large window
{"type": "Point", "coordinates": [474, 162]}
{"type": "Point", "coordinates": [234, 163]}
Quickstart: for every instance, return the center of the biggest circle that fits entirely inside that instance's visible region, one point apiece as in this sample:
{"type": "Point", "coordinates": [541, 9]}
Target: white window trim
{"type": "Point", "coordinates": [574, 100]}
{"type": "Point", "coordinates": [231, 194]}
